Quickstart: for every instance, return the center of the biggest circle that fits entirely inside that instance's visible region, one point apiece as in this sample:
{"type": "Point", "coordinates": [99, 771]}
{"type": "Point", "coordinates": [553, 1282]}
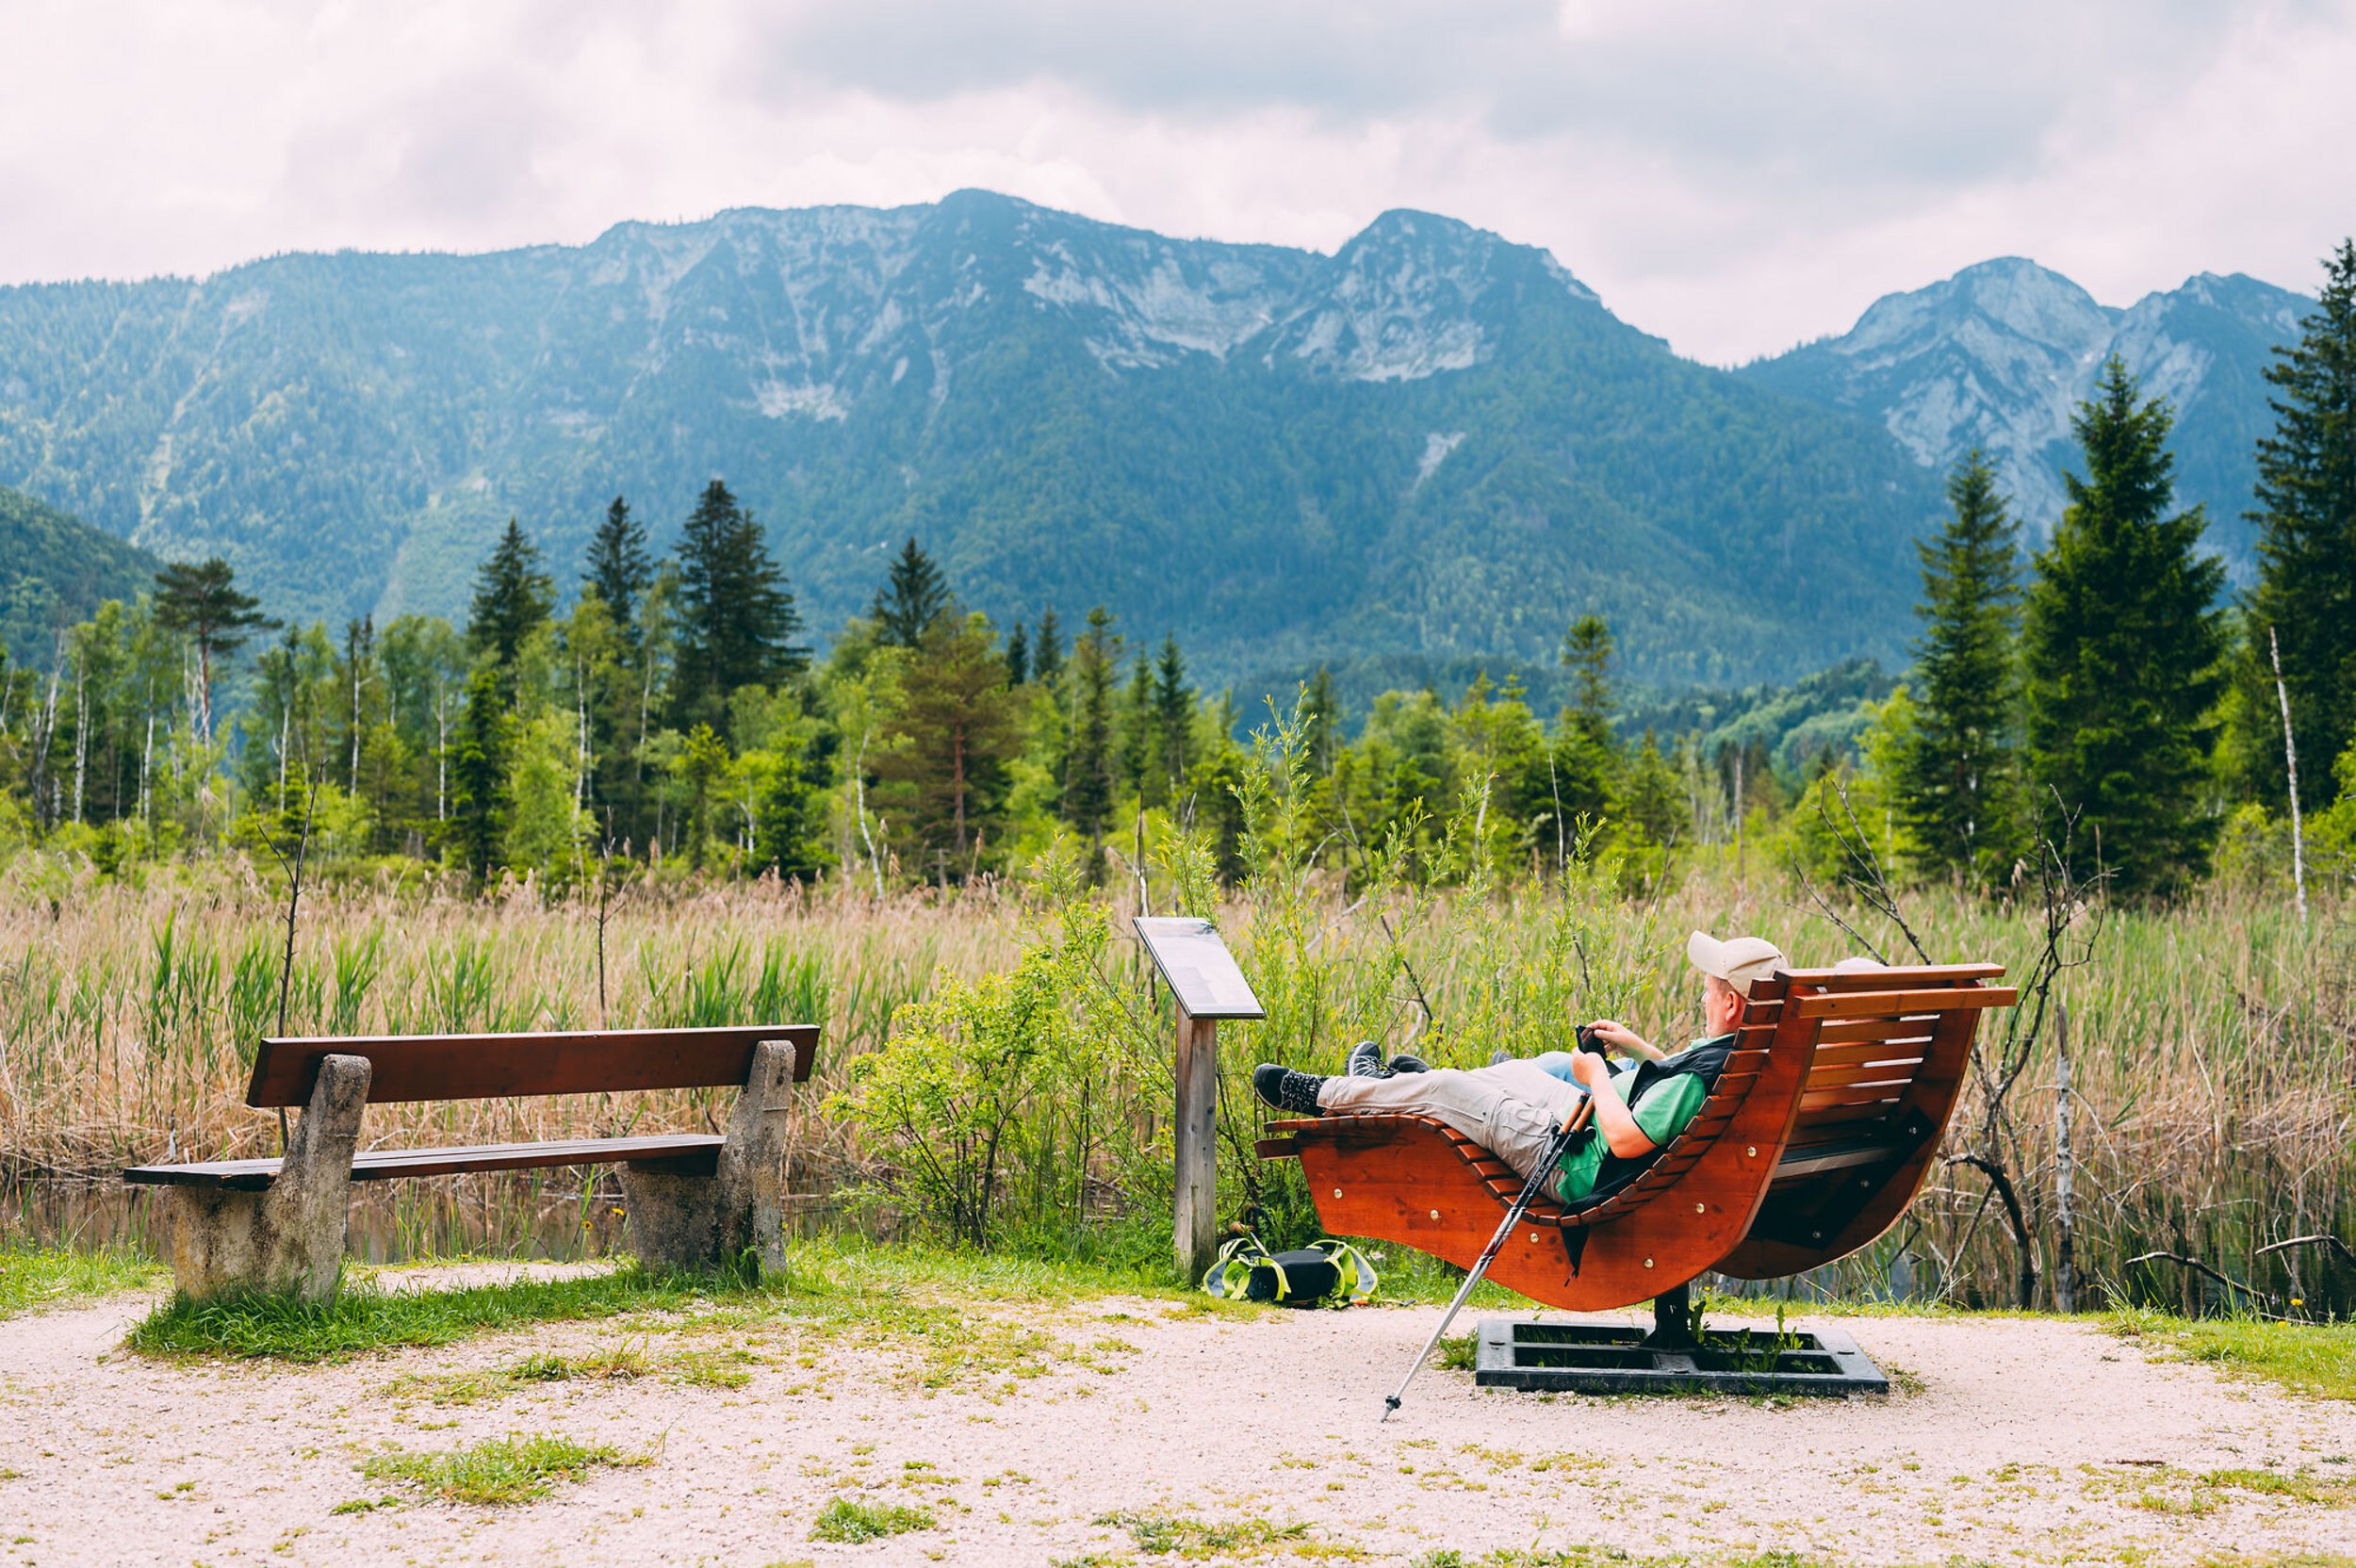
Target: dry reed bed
{"type": "Point", "coordinates": [2211, 1044]}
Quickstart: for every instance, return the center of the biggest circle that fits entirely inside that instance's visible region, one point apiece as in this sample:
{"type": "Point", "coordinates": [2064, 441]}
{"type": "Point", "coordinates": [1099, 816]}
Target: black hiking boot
{"type": "Point", "coordinates": [1404, 1063]}
{"type": "Point", "coordinates": [1286, 1089]}
{"type": "Point", "coordinates": [1365, 1061]}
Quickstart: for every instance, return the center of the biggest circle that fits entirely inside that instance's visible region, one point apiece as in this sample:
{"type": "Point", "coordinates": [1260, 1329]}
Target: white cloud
{"type": "Point", "coordinates": [1734, 177]}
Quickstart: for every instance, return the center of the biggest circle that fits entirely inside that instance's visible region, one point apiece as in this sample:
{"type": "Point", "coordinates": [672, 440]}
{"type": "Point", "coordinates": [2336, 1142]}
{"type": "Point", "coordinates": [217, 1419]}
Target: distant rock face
{"type": "Point", "coordinates": [1999, 356]}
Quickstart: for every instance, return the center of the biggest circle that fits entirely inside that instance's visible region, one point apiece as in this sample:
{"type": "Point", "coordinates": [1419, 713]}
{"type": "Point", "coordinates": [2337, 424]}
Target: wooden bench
{"type": "Point", "coordinates": [1817, 1136]}
{"type": "Point", "coordinates": [695, 1200]}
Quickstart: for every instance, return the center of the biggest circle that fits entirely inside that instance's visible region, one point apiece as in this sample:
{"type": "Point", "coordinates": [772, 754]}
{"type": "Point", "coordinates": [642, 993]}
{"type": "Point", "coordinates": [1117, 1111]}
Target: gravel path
{"type": "Point", "coordinates": [1024, 1435]}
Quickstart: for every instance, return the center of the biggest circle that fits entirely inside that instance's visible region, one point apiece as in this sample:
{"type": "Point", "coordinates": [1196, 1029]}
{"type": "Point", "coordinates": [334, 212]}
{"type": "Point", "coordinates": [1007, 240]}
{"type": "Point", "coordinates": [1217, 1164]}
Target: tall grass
{"type": "Point", "coordinates": [2212, 1045]}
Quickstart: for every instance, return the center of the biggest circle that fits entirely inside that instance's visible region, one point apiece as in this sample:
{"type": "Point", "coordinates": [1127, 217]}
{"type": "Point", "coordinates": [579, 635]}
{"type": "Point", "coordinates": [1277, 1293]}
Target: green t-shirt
{"type": "Point", "coordinates": [1661, 1112]}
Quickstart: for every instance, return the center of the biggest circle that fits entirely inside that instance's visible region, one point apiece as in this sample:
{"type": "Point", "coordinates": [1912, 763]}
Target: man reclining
{"type": "Point", "coordinates": [1513, 1108]}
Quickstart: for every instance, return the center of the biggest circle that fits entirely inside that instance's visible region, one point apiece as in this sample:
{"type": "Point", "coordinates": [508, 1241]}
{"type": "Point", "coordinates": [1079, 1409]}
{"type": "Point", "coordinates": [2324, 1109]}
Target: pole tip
{"type": "Point", "coordinates": [1390, 1403]}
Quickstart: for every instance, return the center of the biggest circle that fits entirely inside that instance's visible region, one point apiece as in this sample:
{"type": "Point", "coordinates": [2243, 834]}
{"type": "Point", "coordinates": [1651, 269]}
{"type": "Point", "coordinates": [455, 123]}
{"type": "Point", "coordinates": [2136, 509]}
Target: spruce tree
{"type": "Point", "coordinates": [958, 729]}
{"type": "Point", "coordinates": [1321, 717]}
{"type": "Point", "coordinates": [201, 602]}
{"type": "Point", "coordinates": [478, 774]}
{"type": "Point", "coordinates": [1087, 786]}
{"type": "Point", "coordinates": [1047, 651]}
{"type": "Point", "coordinates": [1018, 657]}
{"type": "Point", "coordinates": [737, 619]}
{"type": "Point", "coordinates": [2122, 648]}
{"type": "Point", "coordinates": [1583, 769]}
{"type": "Point", "coordinates": [619, 568]}
{"type": "Point", "coordinates": [1135, 746]}
{"type": "Point", "coordinates": [1957, 782]}
{"type": "Point", "coordinates": [1173, 718]}
{"type": "Point", "coordinates": [913, 597]}
{"type": "Point", "coordinates": [512, 597]}
{"type": "Point", "coordinates": [2306, 517]}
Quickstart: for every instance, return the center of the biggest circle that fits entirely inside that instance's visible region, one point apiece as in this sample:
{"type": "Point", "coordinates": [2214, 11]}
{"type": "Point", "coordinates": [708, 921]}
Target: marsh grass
{"type": "Point", "coordinates": [2215, 1044]}
{"type": "Point", "coordinates": [497, 1471]}
{"type": "Point", "coordinates": [35, 1277]}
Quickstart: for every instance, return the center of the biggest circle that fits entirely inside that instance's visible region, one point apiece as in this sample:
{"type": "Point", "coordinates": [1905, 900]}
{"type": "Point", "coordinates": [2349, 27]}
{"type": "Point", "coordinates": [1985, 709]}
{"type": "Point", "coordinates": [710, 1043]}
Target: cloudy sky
{"type": "Point", "coordinates": [1736, 176]}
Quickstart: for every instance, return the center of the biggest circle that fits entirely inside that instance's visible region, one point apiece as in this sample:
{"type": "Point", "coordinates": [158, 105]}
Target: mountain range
{"type": "Point", "coordinates": [1426, 450]}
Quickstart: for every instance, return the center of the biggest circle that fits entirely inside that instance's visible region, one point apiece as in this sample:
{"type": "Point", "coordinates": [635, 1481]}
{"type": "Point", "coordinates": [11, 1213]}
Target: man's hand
{"type": "Point", "coordinates": [1621, 1037]}
{"type": "Point", "coordinates": [1591, 1069]}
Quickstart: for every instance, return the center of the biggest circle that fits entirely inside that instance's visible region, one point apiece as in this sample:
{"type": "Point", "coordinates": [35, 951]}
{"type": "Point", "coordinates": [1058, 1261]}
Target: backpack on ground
{"type": "Point", "coordinates": [1325, 1272]}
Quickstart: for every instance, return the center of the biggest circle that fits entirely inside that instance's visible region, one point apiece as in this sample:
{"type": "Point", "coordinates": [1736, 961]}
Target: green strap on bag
{"type": "Point", "coordinates": [1328, 1270]}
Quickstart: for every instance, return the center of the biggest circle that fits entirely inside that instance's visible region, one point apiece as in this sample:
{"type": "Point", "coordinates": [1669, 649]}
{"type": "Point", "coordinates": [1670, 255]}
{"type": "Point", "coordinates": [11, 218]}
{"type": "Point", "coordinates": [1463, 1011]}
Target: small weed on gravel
{"type": "Point", "coordinates": [499, 1470]}
{"type": "Point", "coordinates": [850, 1521]}
{"type": "Point", "coordinates": [1159, 1534]}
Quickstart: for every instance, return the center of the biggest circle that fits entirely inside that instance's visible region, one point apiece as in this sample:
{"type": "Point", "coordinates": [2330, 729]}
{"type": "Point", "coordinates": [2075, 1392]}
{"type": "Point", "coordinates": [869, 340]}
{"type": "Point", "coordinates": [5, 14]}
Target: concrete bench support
{"type": "Point", "coordinates": [699, 1222]}
{"type": "Point", "coordinates": [291, 1237]}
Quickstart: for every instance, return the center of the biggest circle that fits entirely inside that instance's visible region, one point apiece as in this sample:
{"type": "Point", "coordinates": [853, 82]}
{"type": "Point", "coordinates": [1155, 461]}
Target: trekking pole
{"type": "Point", "coordinates": [1488, 1254]}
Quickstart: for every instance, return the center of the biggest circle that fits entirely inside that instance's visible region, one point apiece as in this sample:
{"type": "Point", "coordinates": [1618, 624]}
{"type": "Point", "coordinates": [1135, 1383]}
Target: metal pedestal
{"type": "Point", "coordinates": [1676, 1357]}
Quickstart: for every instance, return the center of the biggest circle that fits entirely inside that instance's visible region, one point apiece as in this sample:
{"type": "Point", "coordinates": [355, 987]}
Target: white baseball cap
{"type": "Point", "coordinates": [1740, 961]}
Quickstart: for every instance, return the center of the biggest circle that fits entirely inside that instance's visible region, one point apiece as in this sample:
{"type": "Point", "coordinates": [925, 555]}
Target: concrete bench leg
{"type": "Point", "coordinates": [291, 1237]}
{"type": "Point", "coordinates": [700, 1222]}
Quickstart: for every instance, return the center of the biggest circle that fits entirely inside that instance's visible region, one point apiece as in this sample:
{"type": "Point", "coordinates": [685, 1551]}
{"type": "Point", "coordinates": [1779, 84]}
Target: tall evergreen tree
{"type": "Point", "coordinates": [1321, 721]}
{"type": "Point", "coordinates": [513, 596]}
{"type": "Point", "coordinates": [1047, 651]}
{"type": "Point", "coordinates": [2306, 517]}
{"type": "Point", "coordinates": [1134, 743]}
{"type": "Point", "coordinates": [619, 568]}
{"type": "Point", "coordinates": [1018, 657]}
{"type": "Point", "coordinates": [2123, 648]}
{"type": "Point", "coordinates": [1958, 780]}
{"type": "Point", "coordinates": [1173, 720]}
{"type": "Point", "coordinates": [202, 601]}
{"type": "Point", "coordinates": [913, 597]}
{"type": "Point", "coordinates": [737, 619]}
{"type": "Point", "coordinates": [478, 774]}
{"type": "Point", "coordinates": [1583, 765]}
{"type": "Point", "coordinates": [1088, 787]}
{"type": "Point", "coordinates": [958, 727]}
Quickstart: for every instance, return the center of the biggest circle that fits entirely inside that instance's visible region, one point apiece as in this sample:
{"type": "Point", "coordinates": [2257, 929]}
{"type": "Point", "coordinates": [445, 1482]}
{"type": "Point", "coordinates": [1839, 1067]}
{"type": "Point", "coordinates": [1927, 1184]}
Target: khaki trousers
{"type": "Point", "coordinates": [1512, 1109]}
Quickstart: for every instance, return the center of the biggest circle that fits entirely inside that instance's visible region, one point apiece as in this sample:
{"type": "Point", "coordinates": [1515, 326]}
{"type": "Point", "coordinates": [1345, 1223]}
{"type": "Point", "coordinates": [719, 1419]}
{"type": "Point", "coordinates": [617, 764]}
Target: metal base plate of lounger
{"type": "Point", "coordinates": [1591, 1358]}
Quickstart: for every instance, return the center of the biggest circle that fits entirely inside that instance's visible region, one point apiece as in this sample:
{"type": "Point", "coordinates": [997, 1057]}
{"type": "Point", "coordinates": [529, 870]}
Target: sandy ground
{"type": "Point", "coordinates": [2006, 1442]}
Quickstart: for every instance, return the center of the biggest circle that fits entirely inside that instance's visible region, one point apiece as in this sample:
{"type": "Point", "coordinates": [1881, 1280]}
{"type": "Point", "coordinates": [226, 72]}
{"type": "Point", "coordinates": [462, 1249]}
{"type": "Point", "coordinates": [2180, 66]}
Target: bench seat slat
{"type": "Point", "coordinates": [379, 1165]}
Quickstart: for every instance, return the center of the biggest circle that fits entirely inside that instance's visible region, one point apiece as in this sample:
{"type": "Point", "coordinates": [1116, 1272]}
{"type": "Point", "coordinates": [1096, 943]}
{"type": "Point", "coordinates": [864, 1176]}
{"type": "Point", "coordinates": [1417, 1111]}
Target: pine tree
{"type": "Point", "coordinates": [1958, 779]}
{"type": "Point", "coordinates": [512, 598]}
{"type": "Point", "coordinates": [1134, 745]}
{"type": "Point", "coordinates": [1087, 787]}
{"type": "Point", "coordinates": [2306, 517]}
{"type": "Point", "coordinates": [1584, 764]}
{"type": "Point", "coordinates": [1321, 735]}
{"type": "Point", "coordinates": [913, 597]}
{"type": "Point", "coordinates": [958, 728]}
{"type": "Point", "coordinates": [619, 568]}
{"type": "Point", "coordinates": [1655, 804]}
{"type": "Point", "coordinates": [478, 820]}
{"type": "Point", "coordinates": [1173, 720]}
{"type": "Point", "coordinates": [737, 619]}
{"type": "Point", "coordinates": [201, 602]}
{"type": "Point", "coordinates": [1018, 657]}
{"type": "Point", "coordinates": [1047, 651]}
{"type": "Point", "coordinates": [2122, 646]}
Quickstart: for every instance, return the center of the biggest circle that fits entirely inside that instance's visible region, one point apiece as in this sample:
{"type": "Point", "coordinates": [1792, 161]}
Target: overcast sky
{"type": "Point", "coordinates": [1736, 176]}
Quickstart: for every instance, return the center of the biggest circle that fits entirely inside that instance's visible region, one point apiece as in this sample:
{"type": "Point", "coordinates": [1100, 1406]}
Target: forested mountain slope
{"type": "Point", "coordinates": [1998, 355]}
{"type": "Point", "coordinates": [1432, 443]}
{"type": "Point", "coordinates": [53, 571]}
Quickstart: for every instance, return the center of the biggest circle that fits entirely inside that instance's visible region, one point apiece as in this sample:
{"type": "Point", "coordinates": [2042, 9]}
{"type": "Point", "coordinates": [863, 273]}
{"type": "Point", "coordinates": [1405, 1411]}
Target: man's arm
{"type": "Point", "coordinates": [1621, 1037]}
{"type": "Point", "coordinates": [1613, 1117]}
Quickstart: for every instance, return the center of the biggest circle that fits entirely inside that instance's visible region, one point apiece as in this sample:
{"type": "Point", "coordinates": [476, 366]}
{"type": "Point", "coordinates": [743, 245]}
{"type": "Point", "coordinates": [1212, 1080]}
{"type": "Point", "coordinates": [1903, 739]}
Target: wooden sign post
{"type": "Point", "coordinates": [1202, 976]}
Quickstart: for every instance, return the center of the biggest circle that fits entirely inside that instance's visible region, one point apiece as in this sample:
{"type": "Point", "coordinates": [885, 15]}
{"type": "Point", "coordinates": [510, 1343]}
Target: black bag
{"type": "Point", "coordinates": [1309, 1278]}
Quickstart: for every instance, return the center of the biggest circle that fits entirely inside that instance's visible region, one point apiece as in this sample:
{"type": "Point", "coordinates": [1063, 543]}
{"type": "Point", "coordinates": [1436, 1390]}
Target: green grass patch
{"type": "Point", "coordinates": [1159, 1533]}
{"type": "Point", "coordinates": [366, 1317]}
{"type": "Point", "coordinates": [2314, 1359]}
{"type": "Point", "coordinates": [850, 1521]}
{"type": "Point", "coordinates": [499, 1470]}
{"type": "Point", "coordinates": [31, 1278]}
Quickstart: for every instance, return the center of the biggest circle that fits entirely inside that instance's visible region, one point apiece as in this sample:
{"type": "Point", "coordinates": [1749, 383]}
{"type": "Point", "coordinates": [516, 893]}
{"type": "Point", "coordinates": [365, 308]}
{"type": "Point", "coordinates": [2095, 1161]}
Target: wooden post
{"type": "Point", "coordinates": [1194, 1215]}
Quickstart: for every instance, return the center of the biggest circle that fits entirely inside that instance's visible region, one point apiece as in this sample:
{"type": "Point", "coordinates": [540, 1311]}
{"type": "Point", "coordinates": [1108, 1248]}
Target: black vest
{"type": "Point", "coordinates": [1704, 1061]}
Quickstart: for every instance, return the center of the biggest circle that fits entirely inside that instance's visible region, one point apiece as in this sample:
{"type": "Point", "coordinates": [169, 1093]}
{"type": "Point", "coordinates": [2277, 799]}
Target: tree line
{"type": "Point", "coordinates": [672, 713]}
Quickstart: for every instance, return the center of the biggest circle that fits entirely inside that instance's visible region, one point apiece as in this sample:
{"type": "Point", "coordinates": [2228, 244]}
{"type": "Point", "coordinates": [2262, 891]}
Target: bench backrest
{"type": "Point", "coordinates": [497, 1067]}
{"type": "Point", "coordinates": [1875, 1031]}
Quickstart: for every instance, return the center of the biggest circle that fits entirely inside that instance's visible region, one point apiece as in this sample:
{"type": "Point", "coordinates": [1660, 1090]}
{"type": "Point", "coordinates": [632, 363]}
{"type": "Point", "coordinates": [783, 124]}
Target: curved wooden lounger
{"type": "Point", "coordinates": [1817, 1137]}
